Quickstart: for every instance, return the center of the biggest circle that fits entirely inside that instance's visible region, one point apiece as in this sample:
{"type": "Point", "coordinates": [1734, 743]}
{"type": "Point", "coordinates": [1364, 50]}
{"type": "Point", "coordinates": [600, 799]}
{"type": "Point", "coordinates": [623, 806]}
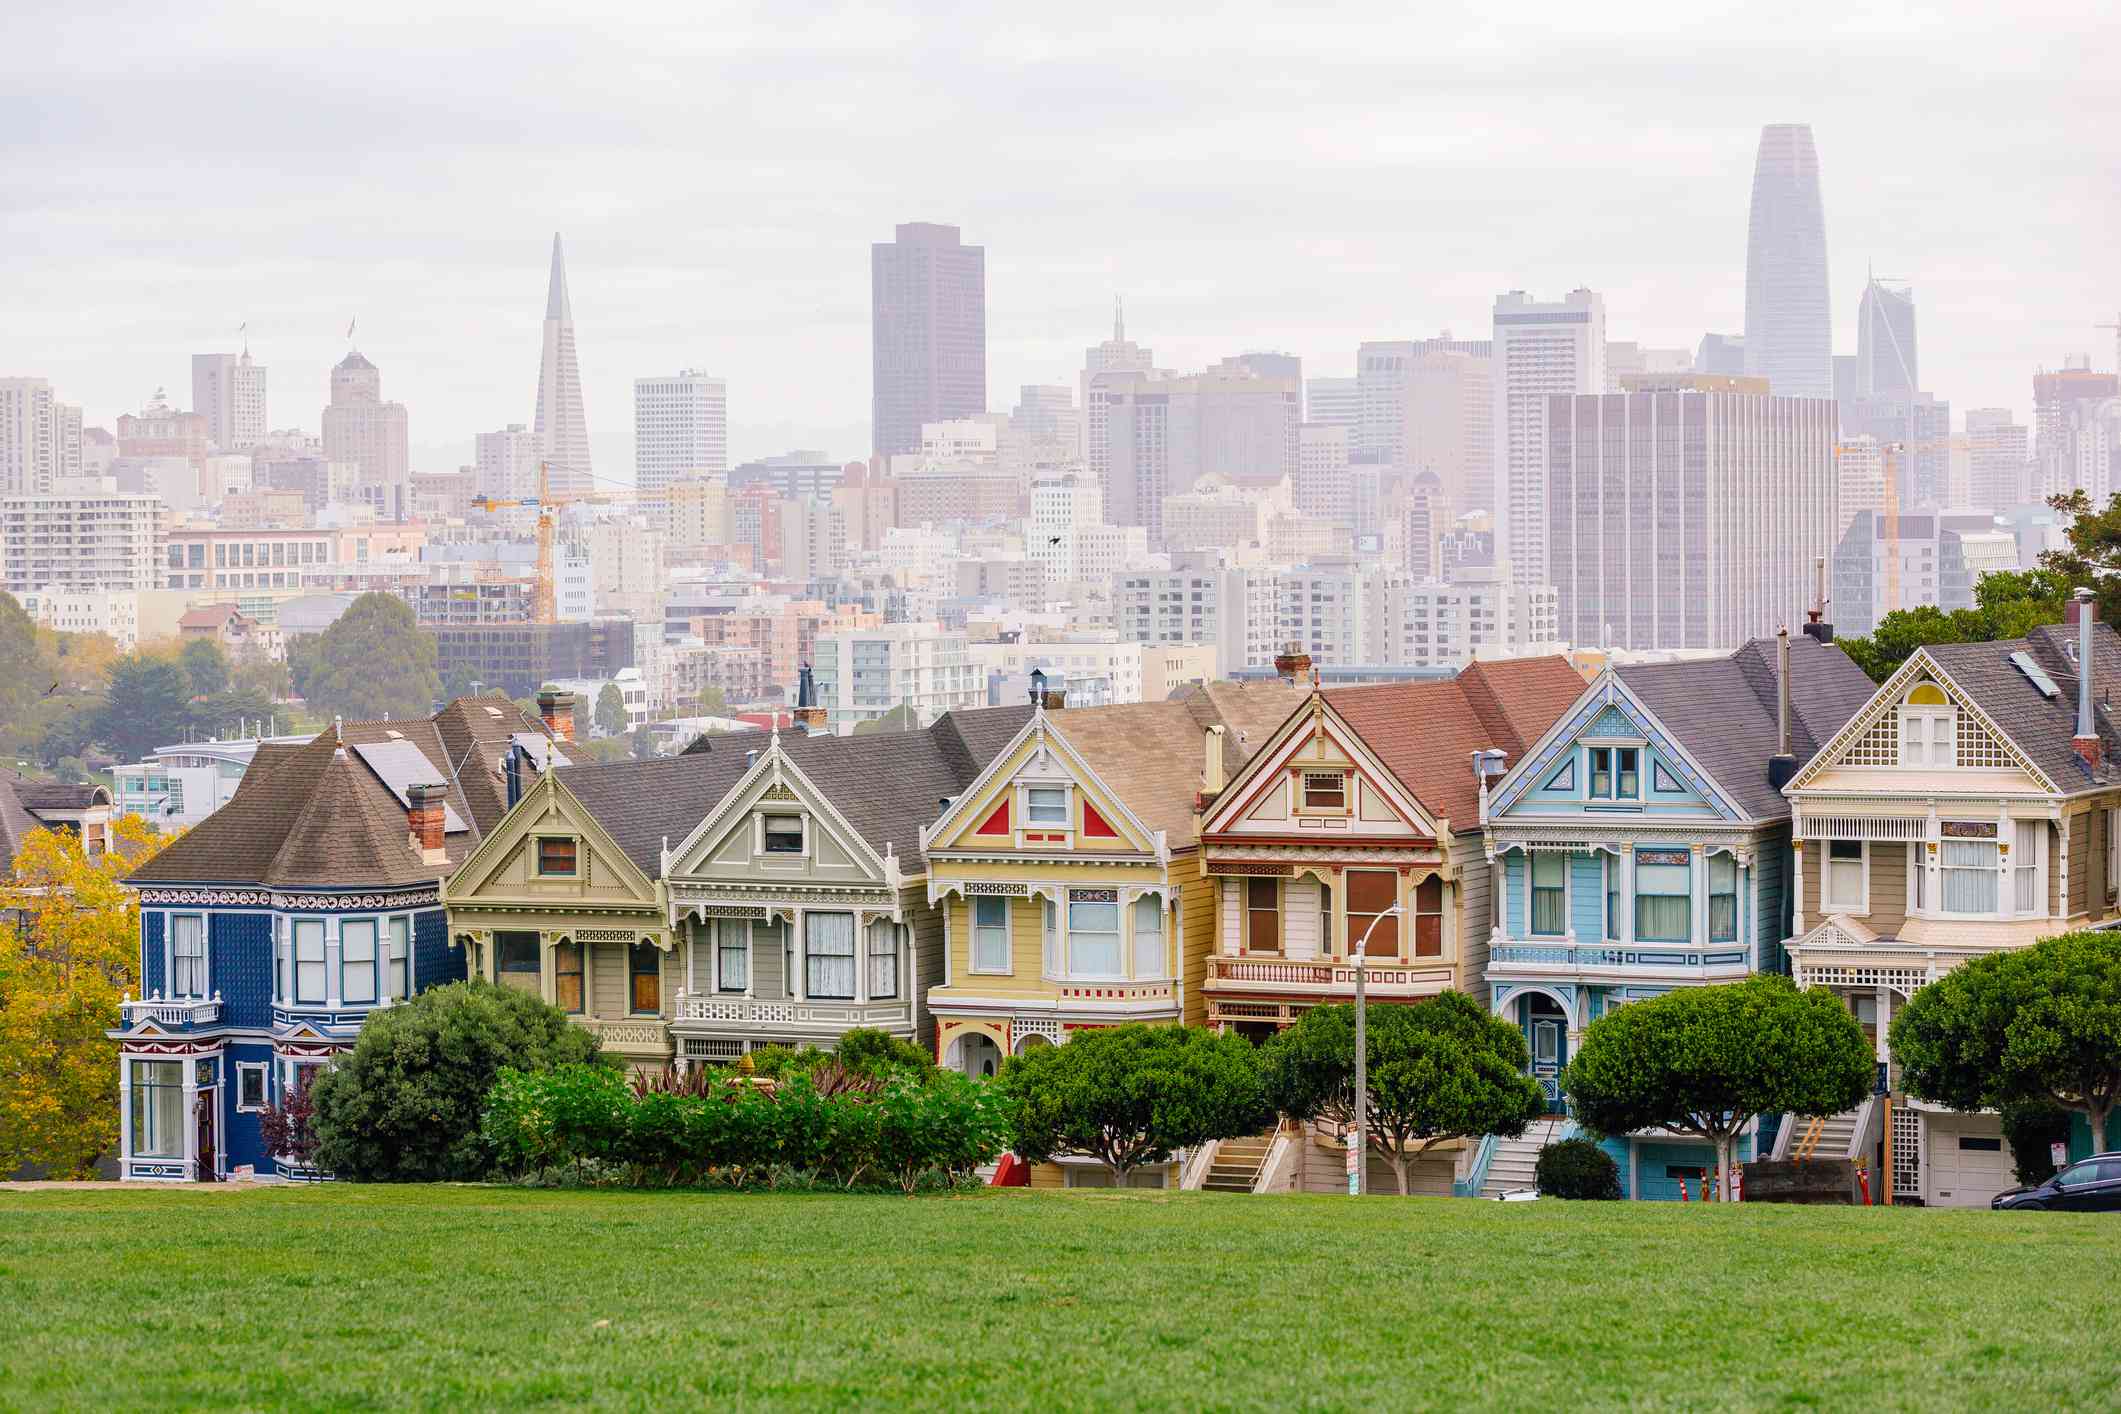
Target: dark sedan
{"type": "Point", "coordinates": [2090, 1185]}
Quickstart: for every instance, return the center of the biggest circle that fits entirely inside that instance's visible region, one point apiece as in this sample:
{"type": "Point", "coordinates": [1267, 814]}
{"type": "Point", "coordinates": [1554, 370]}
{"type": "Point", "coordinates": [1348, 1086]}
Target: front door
{"type": "Point", "coordinates": [209, 1158]}
{"type": "Point", "coordinates": [1550, 1045]}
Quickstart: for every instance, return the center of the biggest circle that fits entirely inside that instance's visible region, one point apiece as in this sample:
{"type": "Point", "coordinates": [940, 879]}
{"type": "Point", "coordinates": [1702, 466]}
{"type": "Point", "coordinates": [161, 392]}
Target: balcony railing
{"type": "Point", "coordinates": [1384, 977]}
{"type": "Point", "coordinates": [1567, 955]}
{"type": "Point", "coordinates": [821, 1016]}
{"type": "Point", "coordinates": [172, 1011]}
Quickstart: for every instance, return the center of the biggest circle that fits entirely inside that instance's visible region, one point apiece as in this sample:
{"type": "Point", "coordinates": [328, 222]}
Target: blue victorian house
{"type": "Point", "coordinates": [1644, 844]}
{"type": "Point", "coordinates": [271, 931]}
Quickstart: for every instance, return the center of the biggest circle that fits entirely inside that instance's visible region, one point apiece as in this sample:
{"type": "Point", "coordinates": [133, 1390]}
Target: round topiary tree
{"type": "Point", "coordinates": [1577, 1168]}
{"type": "Point", "coordinates": [404, 1104]}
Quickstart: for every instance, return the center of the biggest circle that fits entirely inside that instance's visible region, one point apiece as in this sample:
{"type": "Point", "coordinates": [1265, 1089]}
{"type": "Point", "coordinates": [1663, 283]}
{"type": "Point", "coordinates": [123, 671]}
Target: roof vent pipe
{"type": "Point", "coordinates": [1783, 764]}
{"type": "Point", "coordinates": [2086, 741]}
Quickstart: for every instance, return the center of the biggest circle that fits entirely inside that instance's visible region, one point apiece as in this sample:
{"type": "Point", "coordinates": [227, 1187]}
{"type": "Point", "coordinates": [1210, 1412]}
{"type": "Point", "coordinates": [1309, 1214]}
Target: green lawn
{"type": "Point", "coordinates": [367, 1297]}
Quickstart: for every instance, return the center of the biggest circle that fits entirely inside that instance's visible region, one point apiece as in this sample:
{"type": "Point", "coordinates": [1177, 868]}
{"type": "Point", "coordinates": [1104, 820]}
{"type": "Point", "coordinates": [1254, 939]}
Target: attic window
{"type": "Point", "coordinates": [1325, 790]}
{"type": "Point", "coordinates": [1046, 805]}
{"type": "Point", "coordinates": [784, 834]}
{"type": "Point", "coordinates": [556, 857]}
{"type": "Point", "coordinates": [1928, 728]}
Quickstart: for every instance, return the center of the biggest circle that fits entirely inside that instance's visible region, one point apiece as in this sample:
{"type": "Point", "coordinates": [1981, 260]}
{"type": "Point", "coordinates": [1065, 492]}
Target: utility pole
{"type": "Point", "coordinates": [1358, 1156]}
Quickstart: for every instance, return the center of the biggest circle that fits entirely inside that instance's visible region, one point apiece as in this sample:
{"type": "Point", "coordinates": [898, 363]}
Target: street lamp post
{"type": "Point", "coordinates": [1361, 1157]}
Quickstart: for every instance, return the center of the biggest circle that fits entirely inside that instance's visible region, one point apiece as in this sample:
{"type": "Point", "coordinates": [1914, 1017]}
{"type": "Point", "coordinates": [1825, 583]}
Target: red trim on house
{"type": "Point", "coordinates": [1095, 826]}
{"type": "Point", "coordinates": [996, 823]}
{"type": "Point", "coordinates": [1349, 837]}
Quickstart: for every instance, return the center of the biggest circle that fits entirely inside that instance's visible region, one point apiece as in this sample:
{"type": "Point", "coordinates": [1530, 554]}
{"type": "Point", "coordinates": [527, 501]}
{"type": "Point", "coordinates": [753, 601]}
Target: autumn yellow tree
{"type": "Point", "coordinates": [69, 950]}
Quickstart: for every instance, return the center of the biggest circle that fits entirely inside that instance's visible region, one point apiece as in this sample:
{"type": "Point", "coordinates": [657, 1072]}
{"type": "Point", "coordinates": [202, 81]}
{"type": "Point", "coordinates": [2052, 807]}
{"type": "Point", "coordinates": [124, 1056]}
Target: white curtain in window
{"type": "Point", "coordinates": [1664, 902]}
{"type": "Point", "coordinates": [400, 957]}
{"type": "Point", "coordinates": [158, 1109]}
{"type": "Point", "coordinates": [309, 960]}
{"type": "Point", "coordinates": [883, 959]}
{"type": "Point", "coordinates": [829, 938]}
{"type": "Point", "coordinates": [2025, 868]}
{"type": "Point", "coordinates": [1149, 958]}
{"type": "Point", "coordinates": [1093, 940]}
{"type": "Point", "coordinates": [990, 934]}
{"type": "Point", "coordinates": [357, 960]}
{"type": "Point", "coordinates": [732, 954]}
{"type": "Point", "coordinates": [1969, 883]}
{"type": "Point", "coordinates": [187, 946]}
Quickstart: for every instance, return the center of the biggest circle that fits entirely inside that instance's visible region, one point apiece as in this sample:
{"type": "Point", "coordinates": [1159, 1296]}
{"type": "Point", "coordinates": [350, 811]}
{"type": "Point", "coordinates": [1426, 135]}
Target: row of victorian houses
{"type": "Point", "coordinates": [1010, 875]}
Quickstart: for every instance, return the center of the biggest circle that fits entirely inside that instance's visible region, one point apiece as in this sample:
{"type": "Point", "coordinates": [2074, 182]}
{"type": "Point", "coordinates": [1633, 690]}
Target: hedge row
{"type": "Point", "coordinates": [853, 1130]}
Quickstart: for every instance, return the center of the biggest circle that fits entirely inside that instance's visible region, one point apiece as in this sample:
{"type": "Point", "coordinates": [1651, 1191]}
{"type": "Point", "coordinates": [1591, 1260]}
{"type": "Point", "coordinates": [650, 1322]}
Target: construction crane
{"type": "Point", "coordinates": [544, 603]}
{"type": "Point", "coordinates": [2116, 327]}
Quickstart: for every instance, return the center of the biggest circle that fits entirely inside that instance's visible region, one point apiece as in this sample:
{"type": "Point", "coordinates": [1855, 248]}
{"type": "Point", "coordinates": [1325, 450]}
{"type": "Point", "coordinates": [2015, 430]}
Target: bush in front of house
{"type": "Point", "coordinates": [404, 1105]}
{"type": "Point", "coordinates": [1577, 1168]}
{"type": "Point", "coordinates": [827, 1127]}
{"type": "Point", "coordinates": [2032, 1128]}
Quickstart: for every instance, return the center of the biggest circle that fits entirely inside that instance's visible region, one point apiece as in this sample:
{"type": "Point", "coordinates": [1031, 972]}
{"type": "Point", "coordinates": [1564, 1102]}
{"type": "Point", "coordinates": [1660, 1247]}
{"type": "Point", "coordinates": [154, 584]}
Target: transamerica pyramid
{"type": "Point", "coordinates": [562, 429]}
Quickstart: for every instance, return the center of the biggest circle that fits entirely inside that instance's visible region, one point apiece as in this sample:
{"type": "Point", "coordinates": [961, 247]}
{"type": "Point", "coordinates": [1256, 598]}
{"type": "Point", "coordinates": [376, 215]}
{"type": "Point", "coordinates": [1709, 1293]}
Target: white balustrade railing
{"type": "Point", "coordinates": [171, 1011]}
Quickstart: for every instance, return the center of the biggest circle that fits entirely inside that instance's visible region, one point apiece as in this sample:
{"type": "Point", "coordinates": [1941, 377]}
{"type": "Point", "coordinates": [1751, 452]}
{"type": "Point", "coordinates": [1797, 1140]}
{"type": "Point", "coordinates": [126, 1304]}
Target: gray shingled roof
{"type": "Point", "coordinates": [1722, 710]}
{"type": "Point", "coordinates": [16, 823]}
{"type": "Point", "coordinates": [2040, 726]}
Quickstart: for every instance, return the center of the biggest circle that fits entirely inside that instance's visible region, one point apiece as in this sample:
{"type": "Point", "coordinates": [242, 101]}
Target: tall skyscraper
{"type": "Point", "coordinates": [928, 333]}
{"type": "Point", "coordinates": [1885, 341]}
{"type": "Point", "coordinates": [1334, 402]}
{"type": "Point", "coordinates": [1540, 350]}
{"type": "Point", "coordinates": [562, 427]}
{"type": "Point", "coordinates": [1164, 434]}
{"type": "Point", "coordinates": [1998, 455]}
{"type": "Point", "coordinates": [1686, 512]}
{"type": "Point", "coordinates": [359, 427]}
{"type": "Point", "coordinates": [228, 390]}
{"type": "Point", "coordinates": [1788, 317]}
{"type": "Point", "coordinates": [1116, 361]}
{"type": "Point", "coordinates": [680, 429]}
{"type": "Point", "coordinates": [28, 436]}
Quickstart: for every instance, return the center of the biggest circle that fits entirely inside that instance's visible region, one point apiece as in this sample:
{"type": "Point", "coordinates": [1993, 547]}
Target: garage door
{"type": "Point", "coordinates": [1969, 1162]}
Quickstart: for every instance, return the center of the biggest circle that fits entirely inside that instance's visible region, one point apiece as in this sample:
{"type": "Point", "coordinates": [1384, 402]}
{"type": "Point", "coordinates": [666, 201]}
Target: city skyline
{"type": "Point", "coordinates": [1431, 220]}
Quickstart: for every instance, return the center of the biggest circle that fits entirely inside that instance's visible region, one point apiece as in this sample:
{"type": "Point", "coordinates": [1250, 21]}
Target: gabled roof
{"type": "Point", "coordinates": [2039, 726]}
{"type": "Point", "coordinates": [1722, 711]}
{"type": "Point", "coordinates": [16, 824]}
{"type": "Point", "coordinates": [316, 816]}
{"type": "Point", "coordinates": [1427, 732]}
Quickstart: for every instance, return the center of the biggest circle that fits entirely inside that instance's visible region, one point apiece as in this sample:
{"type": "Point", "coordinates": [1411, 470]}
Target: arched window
{"type": "Point", "coordinates": [1928, 728]}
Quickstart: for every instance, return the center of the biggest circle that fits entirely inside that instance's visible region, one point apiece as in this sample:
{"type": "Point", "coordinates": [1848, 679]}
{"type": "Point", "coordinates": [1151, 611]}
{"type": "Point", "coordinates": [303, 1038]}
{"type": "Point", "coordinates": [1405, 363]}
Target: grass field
{"type": "Point", "coordinates": [371, 1297]}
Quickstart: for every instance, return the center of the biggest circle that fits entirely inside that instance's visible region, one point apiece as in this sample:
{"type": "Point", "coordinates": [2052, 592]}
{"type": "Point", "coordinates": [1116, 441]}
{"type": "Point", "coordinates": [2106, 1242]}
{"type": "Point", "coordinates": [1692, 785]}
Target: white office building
{"type": "Point", "coordinates": [228, 390]}
{"type": "Point", "coordinates": [680, 429]}
{"type": "Point", "coordinates": [1541, 349]}
{"type": "Point", "coordinates": [86, 535]}
{"type": "Point", "coordinates": [863, 675]}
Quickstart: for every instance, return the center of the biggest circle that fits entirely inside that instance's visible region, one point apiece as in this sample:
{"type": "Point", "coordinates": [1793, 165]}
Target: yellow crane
{"type": "Point", "coordinates": [544, 602]}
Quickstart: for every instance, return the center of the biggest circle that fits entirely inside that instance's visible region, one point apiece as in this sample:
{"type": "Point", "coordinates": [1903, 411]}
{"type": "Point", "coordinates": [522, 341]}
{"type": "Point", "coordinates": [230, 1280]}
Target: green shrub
{"type": "Point", "coordinates": [405, 1104]}
{"type": "Point", "coordinates": [866, 1051]}
{"type": "Point", "coordinates": [2030, 1129]}
{"type": "Point", "coordinates": [1577, 1168]}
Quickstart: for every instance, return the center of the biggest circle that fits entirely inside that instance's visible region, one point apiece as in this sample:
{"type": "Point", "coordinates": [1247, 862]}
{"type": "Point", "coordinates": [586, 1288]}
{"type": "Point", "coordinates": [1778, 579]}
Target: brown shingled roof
{"type": "Point", "coordinates": [1427, 732]}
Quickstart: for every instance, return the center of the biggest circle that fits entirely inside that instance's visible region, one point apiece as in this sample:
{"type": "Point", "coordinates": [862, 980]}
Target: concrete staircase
{"type": "Point", "coordinates": [1842, 1136]}
{"type": "Point", "coordinates": [1237, 1162]}
{"type": "Point", "coordinates": [1516, 1161]}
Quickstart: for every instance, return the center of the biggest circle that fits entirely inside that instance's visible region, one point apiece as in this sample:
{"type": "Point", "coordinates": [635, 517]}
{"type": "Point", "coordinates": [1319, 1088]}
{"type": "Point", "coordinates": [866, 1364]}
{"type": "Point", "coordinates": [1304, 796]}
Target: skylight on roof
{"type": "Point", "coordinates": [2024, 663]}
{"type": "Point", "coordinates": [493, 711]}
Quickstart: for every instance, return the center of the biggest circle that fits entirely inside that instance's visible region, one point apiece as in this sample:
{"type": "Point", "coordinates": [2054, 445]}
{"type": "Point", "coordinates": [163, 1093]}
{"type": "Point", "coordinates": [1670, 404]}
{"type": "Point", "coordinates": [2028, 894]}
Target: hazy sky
{"type": "Point", "coordinates": [1250, 176]}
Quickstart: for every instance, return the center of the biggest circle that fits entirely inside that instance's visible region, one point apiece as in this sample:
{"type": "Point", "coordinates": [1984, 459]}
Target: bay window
{"type": "Point", "coordinates": [990, 935]}
{"type": "Point", "coordinates": [1664, 896]}
{"type": "Point", "coordinates": [158, 1109]}
{"type": "Point", "coordinates": [2027, 897]}
{"type": "Point", "coordinates": [1371, 893]}
{"type": "Point", "coordinates": [1262, 915]}
{"type": "Point", "coordinates": [1723, 899]}
{"type": "Point", "coordinates": [883, 960]}
{"type": "Point", "coordinates": [1428, 917]}
{"type": "Point", "coordinates": [828, 956]}
{"type": "Point", "coordinates": [400, 971]}
{"type": "Point", "coordinates": [1969, 867]}
{"type": "Point", "coordinates": [357, 960]}
{"type": "Point", "coordinates": [309, 962]}
{"type": "Point", "coordinates": [1550, 892]}
{"type": "Point", "coordinates": [644, 968]}
{"type": "Point", "coordinates": [1844, 889]}
{"type": "Point", "coordinates": [1093, 934]}
{"type": "Point", "coordinates": [732, 955]}
{"type": "Point", "coordinates": [187, 955]}
{"type": "Point", "coordinates": [1049, 937]}
{"type": "Point", "coordinates": [567, 977]}
{"type": "Point", "coordinates": [1149, 960]}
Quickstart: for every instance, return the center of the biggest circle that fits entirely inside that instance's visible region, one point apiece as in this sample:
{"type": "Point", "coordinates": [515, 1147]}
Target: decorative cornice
{"type": "Point", "coordinates": [156, 896]}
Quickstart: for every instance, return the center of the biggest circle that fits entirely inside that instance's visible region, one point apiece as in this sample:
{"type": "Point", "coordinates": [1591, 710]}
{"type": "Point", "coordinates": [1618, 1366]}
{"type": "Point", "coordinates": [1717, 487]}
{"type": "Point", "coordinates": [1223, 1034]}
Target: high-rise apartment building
{"type": "Point", "coordinates": [1885, 342]}
{"type": "Point", "coordinates": [1541, 350]}
{"type": "Point", "coordinates": [2061, 400]}
{"type": "Point", "coordinates": [1788, 316]}
{"type": "Point", "coordinates": [359, 427]}
{"type": "Point", "coordinates": [1387, 390]}
{"type": "Point", "coordinates": [1164, 434]}
{"type": "Point", "coordinates": [863, 675]}
{"type": "Point", "coordinates": [562, 421]}
{"type": "Point", "coordinates": [680, 429]}
{"type": "Point", "coordinates": [1063, 509]}
{"type": "Point", "coordinates": [506, 463]}
{"type": "Point", "coordinates": [1859, 475]}
{"type": "Point", "coordinates": [228, 390]}
{"type": "Point", "coordinates": [1686, 513]}
{"type": "Point", "coordinates": [1335, 402]}
{"type": "Point", "coordinates": [1883, 563]}
{"type": "Point", "coordinates": [1915, 434]}
{"type": "Point", "coordinates": [30, 442]}
{"type": "Point", "coordinates": [1322, 486]}
{"type": "Point", "coordinates": [928, 333]}
{"type": "Point", "coordinates": [88, 536]}
{"type": "Point", "coordinates": [1999, 452]}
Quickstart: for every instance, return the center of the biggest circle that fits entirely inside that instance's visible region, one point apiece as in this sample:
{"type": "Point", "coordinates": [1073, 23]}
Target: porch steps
{"type": "Point", "coordinates": [1837, 1134]}
{"type": "Point", "coordinates": [1237, 1162]}
{"type": "Point", "coordinates": [1516, 1161]}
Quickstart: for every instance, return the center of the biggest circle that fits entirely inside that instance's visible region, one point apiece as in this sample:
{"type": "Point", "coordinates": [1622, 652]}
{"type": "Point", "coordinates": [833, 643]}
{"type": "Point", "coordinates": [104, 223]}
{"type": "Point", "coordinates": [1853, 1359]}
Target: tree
{"type": "Point", "coordinates": [374, 661]}
{"type": "Point", "coordinates": [1438, 1070]}
{"type": "Point", "coordinates": [2036, 1025]}
{"type": "Point", "coordinates": [610, 714]}
{"type": "Point", "coordinates": [641, 744]}
{"type": "Point", "coordinates": [1709, 1060]}
{"type": "Point", "coordinates": [71, 955]}
{"type": "Point", "coordinates": [1133, 1095]}
{"type": "Point", "coordinates": [30, 669]}
{"type": "Point", "coordinates": [713, 702]}
{"type": "Point", "coordinates": [146, 704]}
{"type": "Point", "coordinates": [902, 718]}
{"type": "Point", "coordinates": [403, 1105]}
{"type": "Point", "coordinates": [2007, 604]}
{"type": "Point", "coordinates": [205, 665]}
{"type": "Point", "coordinates": [2094, 553]}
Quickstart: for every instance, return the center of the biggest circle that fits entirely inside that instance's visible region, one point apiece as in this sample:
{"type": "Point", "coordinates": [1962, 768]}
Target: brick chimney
{"type": "Point", "coordinates": [1292, 664]}
{"type": "Point", "coordinates": [808, 716]}
{"type": "Point", "coordinates": [424, 817]}
{"type": "Point", "coordinates": [557, 711]}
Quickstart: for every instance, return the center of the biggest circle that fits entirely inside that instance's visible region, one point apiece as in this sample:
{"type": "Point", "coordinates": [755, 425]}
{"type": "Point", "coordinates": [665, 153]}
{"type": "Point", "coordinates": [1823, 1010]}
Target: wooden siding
{"type": "Point", "coordinates": [2082, 828]}
{"type": "Point", "coordinates": [1196, 937]}
{"type": "Point", "coordinates": [924, 928]}
{"type": "Point", "coordinates": [1476, 880]}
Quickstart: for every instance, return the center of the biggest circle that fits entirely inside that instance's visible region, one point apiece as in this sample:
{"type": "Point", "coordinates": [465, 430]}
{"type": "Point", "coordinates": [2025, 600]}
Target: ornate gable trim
{"type": "Point", "coordinates": [1884, 707]}
{"type": "Point", "coordinates": [1051, 758]}
{"type": "Point", "coordinates": [1315, 718]}
{"type": "Point", "coordinates": [773, 777]}
{"type": "Point", "coordinates": [1607, 694]}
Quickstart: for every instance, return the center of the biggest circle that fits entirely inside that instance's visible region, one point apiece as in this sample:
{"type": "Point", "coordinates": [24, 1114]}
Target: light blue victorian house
{"type": "Point", "coordinates": [273, 929]}
{"type": "Point", "coordinates": [1644, 844]}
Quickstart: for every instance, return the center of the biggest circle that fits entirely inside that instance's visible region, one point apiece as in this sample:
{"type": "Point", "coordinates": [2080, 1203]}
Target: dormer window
{"type": "Point", "coordinates": [1616, 773]}
{"type": "Point", "coordinates": [1046, 805]}
{"type": "Point", "coordinates": [1325, 791]}
{"type": "Point", "coordinates": [556, 858]}
{"type": "Point", "coordinates": [1928, 728]}
{"type": "Point", "coordinates": [783, 834]}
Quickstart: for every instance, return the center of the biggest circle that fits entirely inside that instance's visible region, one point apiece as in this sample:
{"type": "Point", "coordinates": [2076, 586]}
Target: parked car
{"type": "Point", "coordinates": [2091, 1185]}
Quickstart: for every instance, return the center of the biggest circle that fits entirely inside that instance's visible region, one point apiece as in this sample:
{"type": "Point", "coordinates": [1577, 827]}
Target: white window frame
{"type": "Point", "coordinates": [297, 963]}
{"type": "Point", "coordinates": [1118, 934]}
{"type": "Point", "coordinates": [1148, 905]}
{"type": "Point", "coordinates": [718, 941]}
{"type": "Point", "coordinates": [801, 817]}
{"type": "Point", "coordinates": [201, 988]}
{"type": "Point", "coordinates": [398, 930]}
{"type": "Point", "coordinates": [1929, 715]}
{"type": "Point", "coordinates": [1828, 903]}
{"type": "Point", "coordinates": [1303, 791]}
{"type": "Point", "coordinates": [974, 928]}
{"type": "Point", "coordinates": [2003, 883]}
{"type": "Point", "coordinates": [882, 931]}
{"type": "Point", "coordinates": [263, 1070]}
{"type": "Point", "coordinates": [2036, 866]}
{"type": "Point", "coordinates": [1032, 821]}
{"type": "Point", "coordinates": [353, 927]}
